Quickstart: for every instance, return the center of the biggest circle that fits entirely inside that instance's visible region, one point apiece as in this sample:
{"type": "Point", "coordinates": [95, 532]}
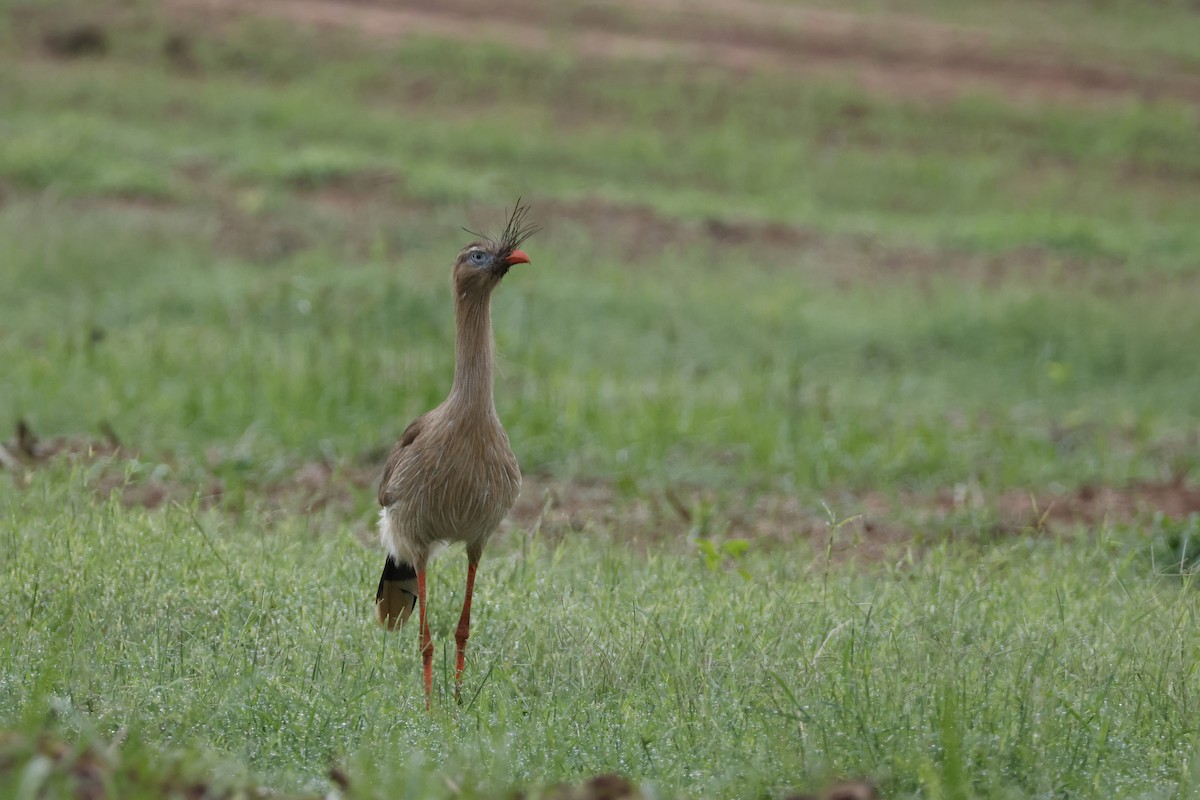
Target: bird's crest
{"type": "Point", "coordinates": [516, 232]}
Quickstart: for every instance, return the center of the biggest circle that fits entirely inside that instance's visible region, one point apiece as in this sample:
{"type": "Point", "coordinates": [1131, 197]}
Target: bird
{"type": "Point", "coordinates": [452, 476]}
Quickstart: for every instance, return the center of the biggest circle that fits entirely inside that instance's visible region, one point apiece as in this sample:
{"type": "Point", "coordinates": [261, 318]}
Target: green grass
{"type": "Point", "coordinates": [813, 387]}
{"type": "Point", "coordinates": [242, 268]}
{"type": "Point", "coordinates": [1030, 668]}
{"type": "Point", "coordinates": [975, 174]}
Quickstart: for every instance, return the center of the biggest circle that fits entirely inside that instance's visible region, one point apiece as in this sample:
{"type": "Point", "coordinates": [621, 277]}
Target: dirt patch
{"type": "Point", "coordinates": [27, 449]}
{"type": "Point", "coordinates": [845, 259]}
{"type": "Point", "coordinates": [76, 41]}
{"type": "Point", "coordinates": [862, 525]}
{"type": "Point", "coordinates": [895, 55]}
{"type": "Point", "coordinates": [602, 787]}
{"type": "Point", "coordinates": [259, 238]}
{"type": "Point", "coordinates": [611, 786]}
{"type": "Point", "coordinates": [366, 204]}
{"type": "Point", "coordinates": [115, 467]}
{"type": "Point", "coordinates": [556, 509]}
{"type": "Point", "coordinates": [94, 771]}
{"type": "Point", "coordinates": [866, 526]}
{"type": "Point", "coordinates": [1095, 505]}
{"type": "Point", "coordinates": [358, 211]}
{"type": "Point", "coordinates": [849, 790]}
{"type": "Point", "coordinates": [51, 767]}
{"type": "Point", "coordinates": [636, 233]}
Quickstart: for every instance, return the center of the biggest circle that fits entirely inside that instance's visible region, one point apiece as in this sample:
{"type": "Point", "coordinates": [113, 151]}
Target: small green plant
{"type": "Point", "coordinates": [727, 554]}
{"type": "Point", "coordinates": [1175, 544]}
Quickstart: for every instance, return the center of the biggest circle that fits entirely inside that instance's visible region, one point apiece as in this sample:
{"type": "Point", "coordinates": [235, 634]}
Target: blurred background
{"type": "Point", "coordinates": [855, 381]}
{"type": "Point", "coordinates": [933, 258]}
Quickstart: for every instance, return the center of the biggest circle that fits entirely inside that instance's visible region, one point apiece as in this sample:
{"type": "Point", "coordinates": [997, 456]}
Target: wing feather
{"type": "Point", "coordinates": [386, 490]}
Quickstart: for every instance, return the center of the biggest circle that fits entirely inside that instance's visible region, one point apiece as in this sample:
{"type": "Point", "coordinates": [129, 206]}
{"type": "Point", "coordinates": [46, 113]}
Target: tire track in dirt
{"type": "Point", "coordinates": [899, 56]}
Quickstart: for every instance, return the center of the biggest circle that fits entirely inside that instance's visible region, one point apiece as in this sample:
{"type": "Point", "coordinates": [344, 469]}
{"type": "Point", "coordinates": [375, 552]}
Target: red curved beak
{"type": "Point", "coordinates": [517, 257]}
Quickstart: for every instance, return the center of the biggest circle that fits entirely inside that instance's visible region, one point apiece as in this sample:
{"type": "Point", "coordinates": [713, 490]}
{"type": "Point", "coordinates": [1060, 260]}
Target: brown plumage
{"type": "Point", "coordinates": [452, 476]}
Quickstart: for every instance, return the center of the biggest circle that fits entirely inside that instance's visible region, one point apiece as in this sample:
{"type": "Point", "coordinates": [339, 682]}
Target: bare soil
{"type": "Point", "coordinates": [862, 525]}
{"type": "Point", "coordinates": [638, 233]}
{"type": "Point", "coordinates": [89, 772]}
{"type": "Point", "coordinates": [891, 54]}
{"type": "Point", "coordinates": [364, 207]}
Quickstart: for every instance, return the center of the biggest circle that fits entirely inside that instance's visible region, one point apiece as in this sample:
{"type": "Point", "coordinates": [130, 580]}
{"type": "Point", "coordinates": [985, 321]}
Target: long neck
{"type": "Point", "coordinates": [474, 353]}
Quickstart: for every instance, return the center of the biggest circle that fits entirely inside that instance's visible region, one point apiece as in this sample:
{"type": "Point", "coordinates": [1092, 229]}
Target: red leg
{"type": "Point", "coordinates": [462, 633]}
{"type": "Point", "coordinates": [426, 639]}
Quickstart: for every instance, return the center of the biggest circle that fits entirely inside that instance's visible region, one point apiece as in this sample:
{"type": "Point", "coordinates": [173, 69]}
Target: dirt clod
{"type": "Point", "coordinates": [609, 787]}
{"type": "Point", "coordinates": [177, 49]}
{"type": "Point", "coordinates": [76, 41]}
{"type": "Point", "coordinates": [850, 790]}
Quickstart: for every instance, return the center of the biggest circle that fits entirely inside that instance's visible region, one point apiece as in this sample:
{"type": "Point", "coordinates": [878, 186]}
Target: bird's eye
{"type": "Point", "coordinates": [478, 257]}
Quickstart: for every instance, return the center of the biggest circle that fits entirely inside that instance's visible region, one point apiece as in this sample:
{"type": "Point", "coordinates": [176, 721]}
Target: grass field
{"type": "Point", "coordinates": [854, 381]}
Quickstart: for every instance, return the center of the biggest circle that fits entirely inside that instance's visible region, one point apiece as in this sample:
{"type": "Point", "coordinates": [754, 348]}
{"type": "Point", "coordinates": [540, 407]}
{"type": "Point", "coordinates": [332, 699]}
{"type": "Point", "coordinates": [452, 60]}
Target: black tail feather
{"type": "Point", "coordinates": [397, 593]}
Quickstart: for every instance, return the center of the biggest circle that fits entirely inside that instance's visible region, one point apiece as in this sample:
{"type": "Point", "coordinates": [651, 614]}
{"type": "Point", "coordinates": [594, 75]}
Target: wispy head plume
{"type": "Point", "coordinates": [516, 232]}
